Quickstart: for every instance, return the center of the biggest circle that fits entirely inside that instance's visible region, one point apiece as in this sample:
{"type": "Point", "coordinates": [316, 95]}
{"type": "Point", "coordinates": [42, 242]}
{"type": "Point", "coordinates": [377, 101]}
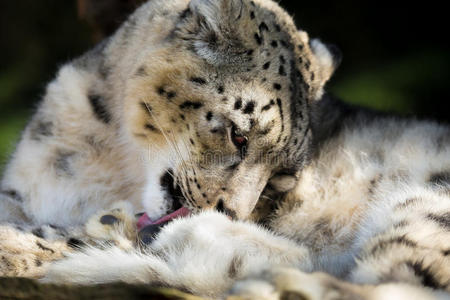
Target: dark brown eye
{"type": "Point", "coordinates": [238, 139]}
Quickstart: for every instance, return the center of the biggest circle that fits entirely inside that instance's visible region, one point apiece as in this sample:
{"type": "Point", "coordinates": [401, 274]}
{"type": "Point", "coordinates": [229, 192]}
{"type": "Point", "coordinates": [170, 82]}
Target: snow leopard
{"type": "Point", "coordinates": [196, 148]}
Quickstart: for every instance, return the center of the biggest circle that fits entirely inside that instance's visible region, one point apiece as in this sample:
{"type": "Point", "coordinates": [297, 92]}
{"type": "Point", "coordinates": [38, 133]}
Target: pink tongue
{"type": "Point", "coordinates": [144, 220]}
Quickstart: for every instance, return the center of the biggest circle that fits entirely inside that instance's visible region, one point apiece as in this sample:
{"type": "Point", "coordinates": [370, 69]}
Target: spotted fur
{"type": "Point", "coordinates": [313, 185]}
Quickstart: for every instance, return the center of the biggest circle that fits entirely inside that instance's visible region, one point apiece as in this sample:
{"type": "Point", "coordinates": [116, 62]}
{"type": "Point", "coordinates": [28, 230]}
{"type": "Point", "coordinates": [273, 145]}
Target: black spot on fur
{"type": "Point", "coordinates": [442, 220]}
{"type": "Point", "coordinates": [185, 13]}
{"type": "Point", "coordinates": [41, 129]}
{"type": "Point", "coordinates": [277, 86]}
{"type": "Point", "coordinates": [209, 115]}
{"type": "Point", "coordinates": [266, 65]}
{"type": "Point", "coordinates": [146, 107]}
{"type": "Point", "coordinates": [171, 95]}
{"type": "Point", "coordinates": [38, 232]}
{"type": "Point", "coordinates": [307, 64]}
{"type": "Point", "coordinates": [233, 167]}
{"type": "Point", "coordinates": [274, 44]}
{"type": "Point", "coordinates": [252, 15]}
{"type": "Point", "coordinates": [238, 104]}
{"type": "Point", "coordinates": [141, 71]}
{"type": "Point", "coordinates": [399, 240]}
{"type": "Point", "coordinates": [220, 207]}
{"type": "Point", "coordinates": [108, 220]}
{"type": "Point", "coordinates": [37, 262]}
{"type": "Point", "coordinates": [220, 89]}
{"type": "Point", "coordinates": [99, 105]}
{"type": "Point", "coordinates": [282, 71]}
{"type": "Point", "coordinates": [258, 39]}
{"type": "Point", "coordinates": [198, 80]}
{"type": "Point", "coordinates": [182, 117]}
{"type": "Point", "coordinates": [62, 162]}
{"type": "Point", "coordinates": [42, 247]}
{"type": "Point", "coordinates": [191, 104]}
{"type": "Point", "coordinates": [280, 108]}
{"type": "Point", "coordinates": [263, 27]}
{"type": "Point", "coordinates": [235, 266]}
{"type": "Point", "coordinates": [75, 243]}
{"type": "Point", "coordinates": [268, 106]}
{"type": "Point", "coordinates": [282, 60]}
{"type": "Point", "coordinates": [425, 274]}
{"type": "Point", "coordinates": [192, 142]}
{"type": "Point", "coordinates": [401, 224]}
{"type": "Point", "coordinates": [150, 127]}
{"type": "Point", "coordinates": [250, 52]}
{"type": "Point", "coordinates": [277, 27]}
{"type": "Point", "coordinates": [441, 178]}
{"type": "Point", "coordinates": [284, 44]}
{"type": "Point", "coordinates": [160, 90]}
{"type": "Point", "coordinates": [249, 107]}
{"type": "Point", "coordinates": [13, 194]}
{"type": "Point", "coordinates": [406, 203]}
{"type": "Point", "coordinates": [312, 76]}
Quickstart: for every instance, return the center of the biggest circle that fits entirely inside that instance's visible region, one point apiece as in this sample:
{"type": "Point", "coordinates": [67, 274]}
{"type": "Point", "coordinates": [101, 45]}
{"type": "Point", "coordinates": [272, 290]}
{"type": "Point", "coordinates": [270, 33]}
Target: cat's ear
{"type": "Point", "coordinates": [318, 62]}
{"type": "Point", "coordinates": [213, 27]}
{"type": "Point", "coordinates": [328, 58]}
{"type": "Point", "coordinates": [217, 13]}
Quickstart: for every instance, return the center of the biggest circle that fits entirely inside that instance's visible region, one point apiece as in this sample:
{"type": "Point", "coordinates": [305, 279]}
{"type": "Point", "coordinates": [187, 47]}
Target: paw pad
{"type": "Point", "coordinates": [109, 220]}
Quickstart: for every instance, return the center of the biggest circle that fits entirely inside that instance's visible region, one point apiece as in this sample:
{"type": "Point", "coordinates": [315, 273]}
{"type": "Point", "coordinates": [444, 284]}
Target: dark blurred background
{"type": "Point", "coordinates": [396, 56]}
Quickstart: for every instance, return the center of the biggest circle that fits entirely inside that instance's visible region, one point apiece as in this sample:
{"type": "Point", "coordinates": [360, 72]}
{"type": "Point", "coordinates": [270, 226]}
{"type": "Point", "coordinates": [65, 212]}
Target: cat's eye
{"type": "Point", "coordinates": [238, 139]}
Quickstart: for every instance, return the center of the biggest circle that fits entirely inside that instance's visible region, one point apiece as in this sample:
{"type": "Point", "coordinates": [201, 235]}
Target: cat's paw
{"type": "Point", "coordinates": [116, 225]}
{"type": "Point", "coordinates": [27, 254]}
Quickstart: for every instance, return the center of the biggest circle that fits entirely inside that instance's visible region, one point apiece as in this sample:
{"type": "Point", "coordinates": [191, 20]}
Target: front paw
{"type": "Point", "coordinates": [26, 254]}
{"type": "Point", "coordinates": [116, 225]}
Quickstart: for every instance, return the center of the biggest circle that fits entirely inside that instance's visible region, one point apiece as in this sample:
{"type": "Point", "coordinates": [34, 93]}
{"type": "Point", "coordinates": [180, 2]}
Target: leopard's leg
{"type": "Point", "coordinates": [408, 259]}
{"type": "Point", "coordinates": [27, 251]}
{"type": "Point", "coordinates": [203, 254]}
